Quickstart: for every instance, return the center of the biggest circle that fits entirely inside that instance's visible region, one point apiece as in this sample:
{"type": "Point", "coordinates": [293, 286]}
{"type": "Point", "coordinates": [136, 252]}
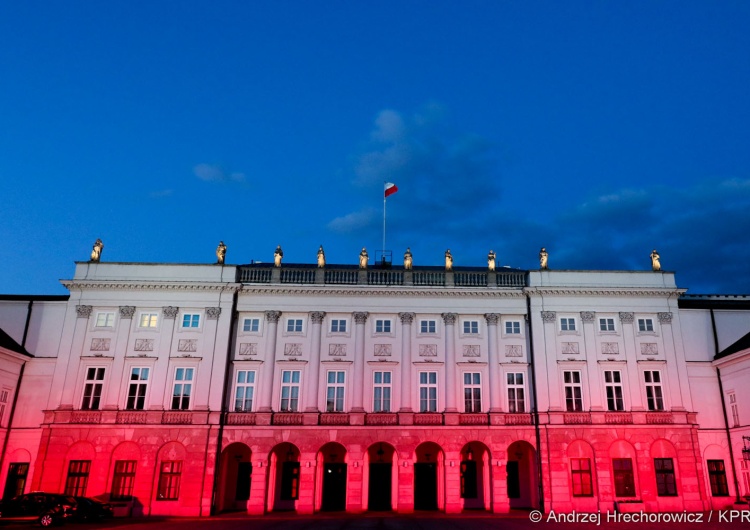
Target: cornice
{"type": "Point", "coordinates": [93, 285]}
{"type": "Point", "coordinates": [603, 291]}
{"type": "Point", "coordinates": [314, 290]}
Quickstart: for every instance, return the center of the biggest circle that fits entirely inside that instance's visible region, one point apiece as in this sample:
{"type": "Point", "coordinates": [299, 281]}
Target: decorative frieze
{"type": "Point", "coordinates": [293, 349]}
{"type": "Point", "coordinates": [649, 348]}
{"type": "Point", "coordinates": [273, 316]}
{"type": "Point", "coordinates": [170, 312]}
{"type": "Point", "coordinates": [187, 345]}
{"type": "Point", "coordinates": [428, 350]}
{"type": "Point", "coordinates": [491, 318]}
{"type": "Point", "coordinates": [83, 311]}
{"type": "Point", "coordinates": [212, 313]}
{"type": "Point", "coordinates": [471, 350]}
{"type": "Point", "coordinates": [587, 316]}
{"type": "Point", "coordinates": [449, 318]}
{"type": "Point", "coordinates": [610, 348]}
{"type": "Point", "coordinates": [337, 350]}
{"type": "Point", "coordinates": [100, 344]}
{"type": "Point", "coordinates": [570, 348]}
{"type": "Point", "coordinates": [513, 350]}
{"type": "Point", "coordinates": [406, 318]}
{"type": "Point", "coordinates": [627, 318]}
{"type": "Point", "coordinates": [316, 317]}
{"type": "Point", "coordinates": [248, 348]}
{"type": "Point", "coordinates": [664, 318]}
{"type": "Point", "coordinates": [549, 317]}
{"type": "Point", "coordinates": [127, 311]}
{"type": "Point", "coordinates": [383, 350]}
{"type": "Point", "coordinates": [144, 345]}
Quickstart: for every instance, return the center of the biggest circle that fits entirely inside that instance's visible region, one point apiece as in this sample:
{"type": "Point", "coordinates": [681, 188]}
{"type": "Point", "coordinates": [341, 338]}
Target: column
{"type": "Point", "coordinates": [549, 353]}
{"type": "Point", "coordinates": [202, 391]}
{"type": "Point", "coordinates": [677, 371]}
{"type": "Point", "coordinates": [494, 382]}
{"type": "Point", "coordinates": [119, 351]}
{"type": "Point", "coordinates": [358, 388]}
{"type": "Point", "coordinates": [449, 319]}
{"type": "Point", "coordinates": [633, 386]}
{"type": "Point", "coordinates": [160, 375]}
{"type": "Point", "coordinates": [313, 373]}
{"type": "Point", "coordinates": [597, 401]}
{"type": "Point", "coordinates": [74, 359]}
{"type": "Point", "coordinates": [406, 398]}
{"type": "Point", "coordinates": [272, 320]}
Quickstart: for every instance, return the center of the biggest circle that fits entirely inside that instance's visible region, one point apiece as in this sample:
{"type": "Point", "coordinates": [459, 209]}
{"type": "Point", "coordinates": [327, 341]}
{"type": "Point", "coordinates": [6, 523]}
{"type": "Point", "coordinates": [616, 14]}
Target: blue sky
{"type": "Point", "coordinates": [600, 130]}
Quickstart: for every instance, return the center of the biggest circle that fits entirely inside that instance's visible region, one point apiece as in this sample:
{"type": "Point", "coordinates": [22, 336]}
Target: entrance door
{"type": "Point", "coordinates": [468, 479]}
{"type": "Point", "coordinates": [425, 486]}
{"type": "Point", "coordinates": [244, 473]}
{"type": "Point", "coordinates": [379, 497]}
{"type": "Point", "coordinates": [334, 487]}
{"type": "Point", "coordinates": [514, 482]}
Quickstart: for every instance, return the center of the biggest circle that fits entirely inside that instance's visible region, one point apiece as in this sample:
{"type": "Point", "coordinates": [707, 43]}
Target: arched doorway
{"type": "Point", "coordinates": [428, 474]}
{"type": "Point", "coordinates": [284, 469]}
{"type": "Point", "coordinates": [380, 458]}
{"type": "Point", "coordinates": [332, 467]}
{"type": "Point", "coordinates": [475, 476]}
{"type": "Point", "coordinates": [522, 475]}
{"type": "Point", "coordinates": [236, 470]}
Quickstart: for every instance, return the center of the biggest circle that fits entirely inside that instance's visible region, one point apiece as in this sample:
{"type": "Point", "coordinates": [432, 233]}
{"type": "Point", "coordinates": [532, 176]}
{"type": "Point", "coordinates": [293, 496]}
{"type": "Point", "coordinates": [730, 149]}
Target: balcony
{"type": "Point", "coordinates": [177, 418]}
{"type": "Point", "coordinates": [577, 418]}
{"type": "Point", "coordinates": [334, 418]}
{"type": "Point", "coordinates": [288, 418]}
{"type": "Point", "coordinates": [518, 419]}
{"type": "Point", "coordinates": [239, 418]}
{"type": "Point", "coordinates": [473, 419]}
{"type": "Point", "coordinates": [618, 418]}
{"type": "Point", "coordinates": [131, 416]}
{"type": "Point", "coordinates": [86, 416]}
{"type": "Point", "coordinates": [659, 418]}
{"type": "Point", "coordinates": [381, 418]}
{"type": "Point", "coordinates": [428, 418]}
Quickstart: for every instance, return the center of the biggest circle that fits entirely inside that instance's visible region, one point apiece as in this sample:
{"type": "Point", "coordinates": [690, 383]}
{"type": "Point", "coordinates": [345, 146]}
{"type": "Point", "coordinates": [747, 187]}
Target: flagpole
{"type": "Point", "coordinates": [384, 198]}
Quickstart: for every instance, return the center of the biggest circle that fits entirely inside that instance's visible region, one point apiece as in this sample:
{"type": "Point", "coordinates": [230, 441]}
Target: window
{"type": "Point", "coordinates": [665, 483]}
{"type": "Point", "coordinates": [471, 327]}
{"type": "Point", "coordinates": [472, 392]}
{"type": "Point", "coordinates": [191, 320]}
{"type": "Point", "coordinates": [16, 481]}
{"type": "Point", "coordinates": [613, 387]}
{"type": "Point", "coordinates": [381, 392]}
{"type": "Point", "coordinates": [183, 386]}
{"type": "Point", "coordinates": [289, 390]}
{"type": "Point", "coordinates": [338, 326]}
{"type": "Point", "coordinates": [335, 391]}
{"type": "Point", "coordinates": [251, 325]}
{"type": "Point", "coordinates": [122, 480]}
{"type": "Point", "coordinates": [567, 324]}
{"type": "Point", "coordinates": [606, 324]}
{"type": "Point", "coordinates": [653, 390]}
{"type": "Point", "coordinates": [581, 475]}
{"type": "Point", "coordinates": [427, 391]}
{"type": "Point", "coordinates": [645, 325]}
{"type": "Point", "coordinates": [105, 320]}
{"type": "Point", "coordinates": [428, 326]}
{"type": "Point", "coordinates": [78, 477]}
{"type": "Point", "coordinates": [294, 325]}
{"type": "Point", "coordinates": [512, 327]}
{"type": "Point", "coordinates": [3, 403]}
{"type": "Point", "coordinates": [244, 390]}
{"type": "Point", "coordinates": [92, 388]}
{"type": "Point", "coordinates": [734, 409]}
{"type": "Point", "coordinates": [573, 391]}
{"type": "Point", "coordinates": [745, 467]}
{"type": "Point", "coordinates": [516, 393]}
{"type": "Point", "coordinates": [148, 320]}
{"type": "Point", "coordinates": [170, 473]}
{"type": "Point", "coordinates": [624, 480]}
{"type": "Point", "coordinates": [718, 478]}
{"type": "Point", "coordinates": [137, 388]}
{"type": "Point", "coordinates": [382, 326]}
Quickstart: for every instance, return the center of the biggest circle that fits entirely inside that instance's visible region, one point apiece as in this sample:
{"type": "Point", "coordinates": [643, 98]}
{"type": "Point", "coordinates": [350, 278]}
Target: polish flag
{"type": "Point", "coordinates": [390, 189]}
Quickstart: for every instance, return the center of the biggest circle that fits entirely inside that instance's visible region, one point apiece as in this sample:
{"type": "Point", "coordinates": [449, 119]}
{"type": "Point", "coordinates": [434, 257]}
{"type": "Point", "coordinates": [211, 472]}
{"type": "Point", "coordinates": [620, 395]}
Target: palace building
{"type": "Point", "coordinates": [183, 389]}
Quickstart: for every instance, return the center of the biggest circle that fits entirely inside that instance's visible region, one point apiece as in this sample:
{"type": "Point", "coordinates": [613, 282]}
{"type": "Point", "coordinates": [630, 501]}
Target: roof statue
{"type": "Point", "coordinates": [96, 252]}
{"type": "Point", "coordinates": [491, 261]}
{"type": "Point", "coordinates": [655, 263]}
{"type": "Point", "coordinates": [321, 257]}
{"type": "Point", "coordinates": [363, 258]}
{"type": "Point", "coordinates": [407, 259]}
{"type": "Point", "coordinates": [221, 253]}
{"type": "Point", "coordinates": [448, 260]}
{"type": "Point", "coordinates": [278, 254]}
{"type": "Point", "coordinates": [543, 259]}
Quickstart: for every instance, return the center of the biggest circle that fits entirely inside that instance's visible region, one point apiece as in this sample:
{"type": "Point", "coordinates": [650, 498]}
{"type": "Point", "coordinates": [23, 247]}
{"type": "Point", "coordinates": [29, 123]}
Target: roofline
{"type": "Point", "coordinates": [36, 297]}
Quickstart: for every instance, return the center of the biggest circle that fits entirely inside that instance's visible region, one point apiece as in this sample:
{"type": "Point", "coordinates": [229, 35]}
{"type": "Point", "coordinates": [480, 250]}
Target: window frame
{"type": "Point", "coordinates": [148, 320]}
{"type": "Point", "coordinates": [185, 399]}
{"type": "Point", "coordinates": [335, 390]}
{"type": "Point", "coordinates": [572, 385]}
{"type": "Point", "coordinates": [474, 388]}
{"type": "Point", "coordinates": [254, 323]}
{"type": "Point", "coordinates": [665, 478]}
{"type": "Point", "coordinates": [654, 391]}
{"type": "Point", "coordinates": [581, 487]}
{"type": "Point", "coordinates": [193, 320]}
{"type": "Point", "coordinates": [624, 478]}
{"type": "Point", "coordinates": [609, 325]}
{"type": "Point", "coordinates": [648, 326]}
{"type": "Point", "coordinates": [170, 478]}
{"type": "Point", "coordinates": [512, 328]}
{"type": "Point", "coordinates": [718, 478]}
{"type": "Point", "coordinates": [244, 387]}
{"type": "Point", "coordinates": [140, 386]}
{"type": "Point", "coordinates": [93, 388]}
{"type": "Point", "coordinates": [77, 479]}
{"type": "Point", "coordinates": [109, 322]}
{"type": "Point", "coordinates": [383, 326]}
{"type": "Point", "coordinates": [428, 326]}
{"type": "Point", "coordinates": [428, 400]}
{"type": "Point", "coordinates": [615, 398]}
{"type": "Point", "coordinates": [123, 480]}
{"type": "Point", "coordinates": [470, 328]}
{"type": "Point", "coordinates": [568, 325]}
{"type": "Point", "coordinates": [293, 397]}
{"type": "Point", "coordinates": [297, 325]}
{"type": "Point", "coordinates": [337, 324]}
{"type": "Point", "coordinates": [514, 388]}
{"type": "Point", "coordinates": [382, 403]}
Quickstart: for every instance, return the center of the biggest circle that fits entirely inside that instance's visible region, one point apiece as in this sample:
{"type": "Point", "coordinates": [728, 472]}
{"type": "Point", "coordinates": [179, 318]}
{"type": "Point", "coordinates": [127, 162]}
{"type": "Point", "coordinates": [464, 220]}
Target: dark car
{"type": "Point", "coordinates": [43, 508]}
{"type": "Point", "coordinates": [89, 509]}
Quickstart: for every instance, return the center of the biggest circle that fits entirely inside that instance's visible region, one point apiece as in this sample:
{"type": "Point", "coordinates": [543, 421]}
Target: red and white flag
{"type": "Point", "coordinates": [390, 189]}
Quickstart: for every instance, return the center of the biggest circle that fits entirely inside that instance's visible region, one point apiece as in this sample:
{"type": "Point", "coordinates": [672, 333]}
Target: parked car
{"type": "Point", "coordinates": [38, 507]}
{"type": "Point", "coordinates": [89, 509]}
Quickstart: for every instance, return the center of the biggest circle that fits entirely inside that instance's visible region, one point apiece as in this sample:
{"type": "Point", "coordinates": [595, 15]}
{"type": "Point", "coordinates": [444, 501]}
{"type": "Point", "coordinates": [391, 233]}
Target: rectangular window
{"type": "Point", "coordinates": [645, 324]}
{"type": "Point", "coordinates": [734, 409]}
{"type": "Point", "coordinates": [289, 390]}
{"type": "Point", "coordinates": [516, 393]}
{"type": "Point", "coordinates": [382, 326]}
{"type": "Point", "coordinates": [665, 482]}
{"type": "Point", "coordinates": [78, 477]}
{"type": "Point", "coordinates": [512, 328]}
{"type": "Point", "coordinates": [567, 324]}
{"type": "Point", "coordinates": [338, 326]}
{"type": "Point", "coordinates": [251, 325]}
{"type": "Point", "coordinates": [427, 326]}
{"type": "Point", "coordinates": [471, 327]}
{"type": "Point", "coordinates": [472, 392]}
{"type": "Point", "coordinates": [148, 320]}
{"type": "Point", "coordinates": [653, 390]}
{"type": "Point", "coordinates": [191, 320]}
{"type": "Point", "coordinates": [573, 391]}
{"type": "Point", "coordinates": [137, 388]}
{"type": "Point", "coordinates": [123, 480]}
{"type": "Point", "coordinates": [427, 391]}
{"type": "Point", "coordinates": [170, 473]}
{"type": "Point", "coordinates": [16, 481]}
{"type": "Point", "coordinates": [92, 388]}
{"type": "Point", "coordinates": [581, 475]}
{"type": "Point", "coordinates": [294, 325]}
{"type": "Point", "coordinates": [335, 391]}
{"type": "Point", "coordinates": [624, 479]}
{"type": "Point", "coordinates": [183, 387]}
{"type": "Point", "coordinates": [613, 387]}
{"type": "Point", "coordinates": [381, 385]}
{"type": "Point", "coordinates": [3, 403]}
{"type": "Point", "coordinates": [745, 467]}
{"type": "Point", "coordinates": [244, 390]}
{"type": "Point", "coordinates": [606, 324]}
{"type": "Point", "coordinates": [718, 478]}
{"type": "Point", "coordinates": [105, 319]}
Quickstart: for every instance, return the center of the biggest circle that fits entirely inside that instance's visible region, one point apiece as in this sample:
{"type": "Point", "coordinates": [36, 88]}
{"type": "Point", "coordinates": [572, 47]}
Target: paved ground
{"type": "Point", "coordinates": [437, 521]}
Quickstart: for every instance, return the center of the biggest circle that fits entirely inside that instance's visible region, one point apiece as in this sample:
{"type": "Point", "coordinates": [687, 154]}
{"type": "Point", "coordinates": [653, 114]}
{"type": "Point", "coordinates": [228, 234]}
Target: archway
{"type": "Point", "coordinates": [522, 475]}
{"type": "Point", "coordinates": [236, 473]}
{"type": "Point", "coordinates": [475, 476]}
{"type": "Point", "coordinates": [332, 468]}
{"type": "Point", "coordinates": [428, 477]}
{"type": "Point", "coordinates": [380, 457]}
{"type": "Point", "coordinates": [284, 476]}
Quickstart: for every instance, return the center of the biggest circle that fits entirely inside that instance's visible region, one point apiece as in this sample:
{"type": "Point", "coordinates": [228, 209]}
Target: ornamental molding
{"type": "Point", "coordinates": [127, 311]}
{"type": "Point", "coordinates": [649, 348]}
{"type": "Point", "coordinates": [428, 350]}
{"type": "Point", "coordinates": [471, 350]}
{"type": "Point", "coordinates": [664, 318]}
{"type": "Point", "coordinates": [316, 317]}
{"type": "Point", "coordinates": [513, 350]}
{"type": "Point", "coordinates": [212, 313]}
{"type": "Point", "coordinates": [587, 316]}
{"type": "Point", "coordinates": [337, 350]}
{"type": "Point", "coordinates": [610, 348]}
{"type": "Point", "coordinates": [77, 285]}
{"type": "Point", "coordinates": [360, 317]}
{"type": "Point", "coordinates": [383, 350]}
{"type": "Point", "coordinates": [83, 311]}
{"type": "Point", "coordinates": [100, 344]}
{"type": "Point", "coordinates": [449, 318]}
{"type": "Point", "coordinates": [293, 349]}
{"type": "Point", "coordinates": [569, 348]}
{"type": "Point", "coordinates": [406, 318]}
{"type": "Point", "coordinates": [273, 316]}
{"type": "Point", "coordinates": [313, 290]}
{"type": "Point", "coordinates": [170, 311]}
{"type": "Point", "coordinates": [491, 318]}
{"type": "Point", "coordinates": [187, 345]}
{"type": "Point", "coordinates": [627, 318]}
{"type": "Point", "coordinates": [144, 345]}
{"type": "Point", "coordinates": [599, 291]}
{"type": "Point", "coordinates": [549, 317]}
{"type": "Point", "coordinates": [248, 348]}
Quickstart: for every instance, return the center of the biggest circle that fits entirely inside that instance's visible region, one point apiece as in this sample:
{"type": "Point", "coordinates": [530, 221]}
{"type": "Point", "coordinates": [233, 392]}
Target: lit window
{"type": "Point", "coordinates": [573, 391]}
{"type": "Point", "coordinates": [382, 326]}
{"type": "Point", "coordinates": [338, 326]}
{"type": "Point", "coordinates": [381, 392]}
{"type": "Point", "coordinates": [624, 480]}
{"type": "Point", "coordinates": [16, 481]}
{"type": "Point", "coordinates": [516, 393]}
{"type": "Point", "coordinates": [512, 327]}
{"type": "Point", "coordinates": [294, 325]}
{"type": "Point", "coordinates": [718, 477]}
{"type": "Point", "coordinates": [251, 325]}
{"type": "Point", "coordinates": [244, 390]}
{"type": "Point", "coordinates": [645, 324]}
{"type": "Point", "coordinates": [289, 390]}
{"type": "Point", "coordinates": [183, 387]}
{"type": "Point", "coordinates": [92, 388]}
{"type": "Point", "coordinates": [427, 326]}
{"type": "Point", "coordinates": [567, 324]}
{"type": "Point", "coordinates": [148, 320]}
{"type": "Point", "coordinates": [581, 475]}
{"type": "Point", "coordinates": [606, 324]}
{"type": "Point", "coordinates": [666, 486]}
{"type": "Point", "coordinates": [427, 391]}
{"type": "Point", "coordinates": [191, 320]}
{"type": "Point", "coordinates": [105, 320]}
{"type": "Point", "coordinates": [471, 327]}
{"type": "Point", "coordinates": [335, 391]}
{"type": "Point", "coordinates": [653, 390]}
{"type": "Point", "coordinates": [472, 392]}
{"type": "Point", "coordinates": [137, 388]}
{"type": "Point", "coordinates": [170, 473]}
{"type": "Point", "coordinates": [78, 477]}
{"type": "Point", "coordinates": [123, 480]}
{"type": "Point", "coordinates": [613, 387]}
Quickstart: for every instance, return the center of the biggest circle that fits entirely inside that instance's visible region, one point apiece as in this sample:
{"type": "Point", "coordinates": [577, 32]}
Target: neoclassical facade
{"type": "Point", "coordinates": [196, 389]}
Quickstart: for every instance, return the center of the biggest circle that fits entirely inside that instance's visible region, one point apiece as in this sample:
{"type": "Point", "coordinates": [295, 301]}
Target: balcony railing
{"type": "Point", "coordinates": [618, 418]}
{"type": "Point", "coordinates": [131, 416]}
{"type": "Point", "coordinates": [177, 418]}
{"type": "Point", "coordinates": [473, 419]}
{"type": "Point", "coordinates": [86, 416]}
{"type": "Point", "coordinates": [428, 418]}
{"type": "Point", "coordinates": [518, 419]}
{"type": "Point", "coordinates": [385, 277]}
{"type": "Point", "coordinates": [659, 418]}
{"type": "Point", "coordinates": [297, 275]}
{"type": "Point", "coordinates": [577, 418]}
{"type": "Point", "coordinates": [240, 418]}
{"type": "Point", "coordinates": [381, 418]}
{"type": "Point", "coordinates": [334, 418]}
{"type": "Point", "coordinates": [429, 278]}
{"type": "Point", "coordinates": [288, 418]}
